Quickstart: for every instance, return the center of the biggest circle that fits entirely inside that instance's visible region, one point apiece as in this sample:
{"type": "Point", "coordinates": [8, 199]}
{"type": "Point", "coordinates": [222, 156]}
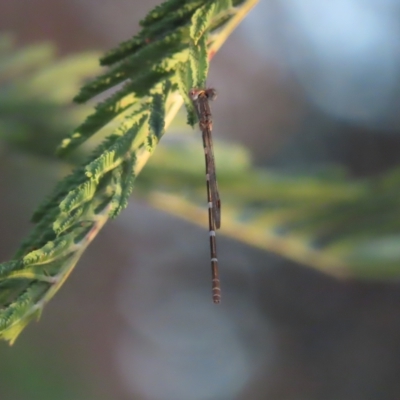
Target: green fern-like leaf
{"type": "Point", "coordinates": [157, 115]}
{"type": "Point", "coordinates": [150, 67]}
{"type": "Point", "coordinates": [165, 9]}
{"type": "Point", "coordinates": [198, 59]}
{"type": "Point", "coordinates": [223, 6]}
{"type": "Point", "coordinates": [66, 220]}
{"type": "Point", "coordinates": [9, 266]}
{"type": "Point", "coordinates": [131, 138]}
{"type": "Point", "coordinates": [80, 195]}
{"type": "Point", "coordinates": [127, 179]}
{"type": "Point", "coordinates": [185, 81]}
{"type": "Point", "coordinates": [201, 20]}
{"type": "Point", "coordinates": [136, 64]}
{"type": "Point", "coordinates": [76, 178]}
{"type": "Point", "coordinates": [49, 252]}
{"type": "Point", "coordinates": [170, 18]}
{"type": "Point", "coordinates": [20, 312]}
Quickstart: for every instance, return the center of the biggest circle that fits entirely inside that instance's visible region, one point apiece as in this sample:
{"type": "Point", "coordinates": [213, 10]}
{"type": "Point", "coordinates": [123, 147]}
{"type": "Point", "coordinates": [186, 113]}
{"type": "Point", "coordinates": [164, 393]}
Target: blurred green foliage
{"type": "Point", "coordinates": [341, 226]}
{"type": "Point", "coordinates": [35, 95]}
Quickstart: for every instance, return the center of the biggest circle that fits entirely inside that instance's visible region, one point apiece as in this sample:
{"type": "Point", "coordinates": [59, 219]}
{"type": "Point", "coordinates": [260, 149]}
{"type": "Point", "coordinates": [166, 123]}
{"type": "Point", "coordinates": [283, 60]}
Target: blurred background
{"type": "Point", "coordinates": [304, 85]}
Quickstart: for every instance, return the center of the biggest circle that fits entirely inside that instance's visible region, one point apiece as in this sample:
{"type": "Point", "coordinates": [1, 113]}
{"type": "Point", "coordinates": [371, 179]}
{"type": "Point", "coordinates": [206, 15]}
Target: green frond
{"type": "Point", "coordinates": [61, 189]}
{"type": "Point", "coordinates": [154, 68]}
{"type": "Point", "coordinates": [174, 23]}
{"type": "Point", "coordinates": [66, 220]}
{"type": "Point", "coordinates": [128, 179]}
{"type": "Point", "coordinates": [148, 81]}
{"type": "Point", "coordinates": [8, 266]}
{"type": "Point", "coordinates": [124, 186]}
{"type": "Point", "coordinates": [165, 9]}
{"type": "Point", "coordinates": [114, 106]}
{"type": "Point", "coordinates": [221, 19]}
{"type": "Point", "coordinates": [181, 9]}
{"type": "Point", "coordinates": [106, 144]}
{"type": "Point", "coordinates": [110, 109]}
{"type": "Point", "coordinates": [76, 178]}
{"type": "Point", "coordinates": [50, 251]}
{"type": "Point", "coordinates": [175, 26]}
{"type": "Point", "coordinates": [169, 18]}
{"type": "Point", "coordinates": [131, 136]}
{"type": "Point", "coordinates": [81, 194]}
{"type": "Point", "coordinates": [20, 312]}
{"type": "Point", "coordinates": [193, 65]}
{"type": "Point", "coordinates": [203, 63]}
{"type": "Point", "coordinates": [237, 3]}
{"type": "Point", "coordinates": [184, 80]}
{"type": "Point", "coordinates": [223, 5]}
{"type": "Point", "coordinates": [201, 20]}
{"type": "Point", "coordinates": [198, 61]}
{"type": "Point", "coordinates": [123, 50]}
{"type": "Point", "coordinates": [136, 64]}
{"type": "Point", "coordinates": [157, 115]}
{"type": "Point", "coordinates": [167, 87]}
{"type": "Point", "coordinates": [116, 180]}
{"type": "Point", "coordinates": [40, 234]}
{"type": "Point", "coordinates": [157, 119]}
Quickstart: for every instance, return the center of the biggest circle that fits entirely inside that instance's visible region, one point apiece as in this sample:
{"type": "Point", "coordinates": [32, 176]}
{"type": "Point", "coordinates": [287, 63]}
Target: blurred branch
{"type": "Point", "coordinates": [339, 226]}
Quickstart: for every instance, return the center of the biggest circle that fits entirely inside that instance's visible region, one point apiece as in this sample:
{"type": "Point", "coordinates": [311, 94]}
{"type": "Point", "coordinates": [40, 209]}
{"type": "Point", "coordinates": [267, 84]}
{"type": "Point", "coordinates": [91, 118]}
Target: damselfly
{"type": "Point", "coordinates": [200, 99]}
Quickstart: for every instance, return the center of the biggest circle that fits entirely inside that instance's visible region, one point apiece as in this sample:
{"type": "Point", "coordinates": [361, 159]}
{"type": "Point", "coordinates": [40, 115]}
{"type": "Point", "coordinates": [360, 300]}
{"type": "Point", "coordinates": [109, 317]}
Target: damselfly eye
{"type": "Point", "coordinates": [194, 94]}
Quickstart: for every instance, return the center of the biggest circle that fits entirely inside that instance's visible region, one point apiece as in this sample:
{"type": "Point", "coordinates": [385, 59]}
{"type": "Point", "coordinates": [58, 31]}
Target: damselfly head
{"type": "Point", "coordinates": [210, 93]}
{"type": "Point", "coordinates": [194, 93]}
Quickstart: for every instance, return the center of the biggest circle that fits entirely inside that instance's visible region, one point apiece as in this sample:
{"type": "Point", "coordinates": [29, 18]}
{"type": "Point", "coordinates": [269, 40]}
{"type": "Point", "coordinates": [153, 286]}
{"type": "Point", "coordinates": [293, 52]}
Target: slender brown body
{"type": "Point", "coordinates": [200, 98]}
